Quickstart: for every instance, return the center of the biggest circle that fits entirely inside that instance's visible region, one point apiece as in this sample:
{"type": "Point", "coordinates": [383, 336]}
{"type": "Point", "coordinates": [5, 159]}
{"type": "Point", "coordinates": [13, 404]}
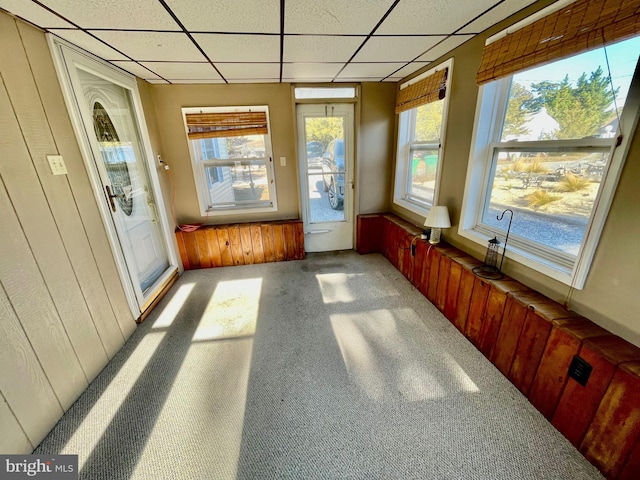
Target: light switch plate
{"type": "Point", "coordinates": [283, 161]}
{"type": "Point", "coordinates": [57, 165]}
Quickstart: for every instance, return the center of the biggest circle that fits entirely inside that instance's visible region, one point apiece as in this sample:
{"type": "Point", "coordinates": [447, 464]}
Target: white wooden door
{"type": "Point", "coordinates": [325, 153]}
{"type": "Point", "coordinates": [108, 123]}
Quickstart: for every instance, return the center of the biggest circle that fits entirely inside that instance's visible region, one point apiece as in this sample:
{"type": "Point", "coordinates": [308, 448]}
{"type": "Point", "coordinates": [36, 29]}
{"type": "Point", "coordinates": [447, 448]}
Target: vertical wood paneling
{"type": "Point", "coordinates": [30, 299]}
{"type": "Point", "coordinates": [615, 429]}
{"type": "Point", "coordinates": [477, 307]}
{"type": "Point", "coordinates": [203, 249]}
{"type": "Point", "coordinates": [191, 247]}
{"type": "Point", "coordinates": [467, 280]}
{"type": "Point", "coordinates": [289, 242]}
{"type": "Point", "coordinates": [512, 321]}
{"type": "Point", "coordinates": [183, 250]}
{"type": "Point", "coordinates": [443, 282]}
{"type": "Point", "coordinates": [631, 470]}
{"type": "Point", "coordinates": [247, 245]}
{"type": "Point", "coordinates": [102, 285]}
{"type": "Point", "coordinates": [214, 247]}
{"type": "Point", "coordinates": [564, 342]}
{"type": "Point", "coordinates": [236, 244]}
{"type": "Point", "coordinates": [533, 339]}
{"type": "Point", "coordinates": [225, 247]}
{"type": "Point", "coordinates": [278, 242]}
{"type": "Point", "coordinates": [13, 440]}
{"type": "Point", "coordinates": [433, 258]}
{"type": "Point", "coordinates": [23, 382]}
{"type": "Point", "coordinates": [578, 404]}
{"type": "Point", "coordinates": [267, 243]}
{"type": "Point", "coordinates": [256, 242]}
{"type": "Point", "coordinates": [299, 234]}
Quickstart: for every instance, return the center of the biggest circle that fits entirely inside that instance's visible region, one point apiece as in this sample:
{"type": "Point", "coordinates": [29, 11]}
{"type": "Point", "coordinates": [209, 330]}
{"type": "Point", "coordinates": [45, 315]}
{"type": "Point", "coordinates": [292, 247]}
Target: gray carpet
{"type": "Point", "coordinates": [329, 367]}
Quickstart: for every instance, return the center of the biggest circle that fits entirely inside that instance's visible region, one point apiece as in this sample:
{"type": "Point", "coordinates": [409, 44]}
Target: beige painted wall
{"type": "Point", "coordinates": [168, 101]}
{"type": "Point", "coordinates": [375, 147]}
{"type": "Point", "coordinates": [64, 312]}
{"type": "Point", "coordinates": [610, 296]}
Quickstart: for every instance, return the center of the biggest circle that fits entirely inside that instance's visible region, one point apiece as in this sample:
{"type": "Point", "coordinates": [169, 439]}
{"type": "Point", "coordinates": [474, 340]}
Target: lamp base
{"type": "Point", "coordinates": [434, 237]}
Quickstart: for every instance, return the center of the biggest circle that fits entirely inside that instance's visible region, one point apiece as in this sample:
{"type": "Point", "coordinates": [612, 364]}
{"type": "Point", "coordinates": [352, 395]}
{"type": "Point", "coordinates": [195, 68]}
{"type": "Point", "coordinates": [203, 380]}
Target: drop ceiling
{"type": "Point", "coordinates": [254, 41]}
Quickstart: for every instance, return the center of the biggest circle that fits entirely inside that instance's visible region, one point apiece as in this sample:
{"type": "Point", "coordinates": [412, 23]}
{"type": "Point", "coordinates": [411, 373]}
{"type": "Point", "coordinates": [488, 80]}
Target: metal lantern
{"type": "Point", "coordinates": [490, 269]}
{"type": "Point", "coordinates": [491, 258]}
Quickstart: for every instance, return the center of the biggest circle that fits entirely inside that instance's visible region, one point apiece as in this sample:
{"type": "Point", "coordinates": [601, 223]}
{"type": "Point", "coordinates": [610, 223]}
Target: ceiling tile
{"type": "Point", "coordinates": [240, 48]}
{"type": "Point", "coordinates": [254, 80]}
{"type": "Point", "coordinates": [228, 15]}
{"type": "Point", "coordinates": [116, 14]}
{"type": "Point", "coordinates": [157, 46]}
{"type": "Point", "coordinates": [197, 81]}
{"type": "Point", "coordinates": [81, 39]}
{"type": "Point", "coordinates": [368, 70]}
{"type": "Point", "coordinates": [320, 48]}
{"type": "Point", "coordinates": [334, 16]}
{"type": "Point", "coordinates": [502, 11]}
{"type": "Point", "coordinates": [311, 71]}
{"type": "Point", "coordinates": [151, 80]}
{"type": "Point", "coordinates": [409, 69]}
{"type": "Point", "coordinates": [183, 70]}
{"type": "Point", "coordinates": [136, 69]}
{"type": "Point", "coordinates": [394, 49]}
{"type": "Point", "coordinates": [433, 17]}
{"type": "Point", "coordinates": [444, 47]}
{"type": "Point", "coordinates": [246, 71]}
{"type": "Point", "coordinates": [34, 13]}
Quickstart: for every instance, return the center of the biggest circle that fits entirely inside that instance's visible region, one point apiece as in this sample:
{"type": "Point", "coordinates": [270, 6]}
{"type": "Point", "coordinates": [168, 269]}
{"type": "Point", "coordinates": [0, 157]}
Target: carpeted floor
{"type": "Point", "coordinates": [330, 367]}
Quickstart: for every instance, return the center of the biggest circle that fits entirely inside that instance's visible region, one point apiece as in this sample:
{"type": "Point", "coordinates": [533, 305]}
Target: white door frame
{"type": "Point", "coordinates": [315, 231]}
{"type": "Point", "coordinates": [60, 51]}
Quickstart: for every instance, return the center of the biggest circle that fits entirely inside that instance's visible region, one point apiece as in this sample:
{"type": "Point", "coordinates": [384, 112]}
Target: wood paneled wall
{"type": "Point", "coordinates": [63, 310]}
{"type": "Point", "coordinates": [532, 340]}
{"type": "Point", "coordinates": [241, 244]}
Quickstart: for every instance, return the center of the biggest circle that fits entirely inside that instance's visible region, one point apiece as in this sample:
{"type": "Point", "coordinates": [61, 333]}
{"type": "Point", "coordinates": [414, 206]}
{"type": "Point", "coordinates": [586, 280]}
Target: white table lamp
{"type": "Point", "coordinates": [437, 219]}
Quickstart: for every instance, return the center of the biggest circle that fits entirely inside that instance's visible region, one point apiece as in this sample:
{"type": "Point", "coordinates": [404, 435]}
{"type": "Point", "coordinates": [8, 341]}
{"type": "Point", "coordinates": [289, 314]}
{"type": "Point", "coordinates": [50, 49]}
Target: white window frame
{"type": "Point", "coordinates": [406, 144]}
{"type": "Point", "coordinates": [199, 167]}
{"type": "Point", "coordinates": [490, 112]}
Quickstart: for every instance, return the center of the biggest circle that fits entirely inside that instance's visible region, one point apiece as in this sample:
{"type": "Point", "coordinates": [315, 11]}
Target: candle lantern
{"type": "Point", "coordinates": [490, 269]}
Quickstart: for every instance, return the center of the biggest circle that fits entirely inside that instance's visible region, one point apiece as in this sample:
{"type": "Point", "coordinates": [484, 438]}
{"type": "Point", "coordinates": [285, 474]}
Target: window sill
{"type": "Point", "coordinates": [544, 266]}
{"type": "Point", "coordinates": [214, 212]}
{"type": "Point", "coordinates": [414, 207]}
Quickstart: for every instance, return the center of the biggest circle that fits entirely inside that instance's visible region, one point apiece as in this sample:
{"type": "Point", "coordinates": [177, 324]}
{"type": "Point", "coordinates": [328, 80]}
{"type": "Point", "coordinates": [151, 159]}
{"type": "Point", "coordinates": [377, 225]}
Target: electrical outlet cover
{"type": "Point", "coordinates": [580, 370]}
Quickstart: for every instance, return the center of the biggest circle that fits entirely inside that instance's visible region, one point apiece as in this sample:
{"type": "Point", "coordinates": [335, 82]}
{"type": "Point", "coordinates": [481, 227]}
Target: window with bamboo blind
{"type": "Point", "coordinates": [422, 105]}
{"type": "Point", "coordinates": [558, 103]}
{"type": "Point", "coordinates": [231, 156]}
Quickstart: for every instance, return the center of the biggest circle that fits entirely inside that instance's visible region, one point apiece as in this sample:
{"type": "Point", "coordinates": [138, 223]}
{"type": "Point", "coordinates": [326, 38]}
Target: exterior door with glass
{"type": "Point", "coordinates": [325, 153]}
{"type": "Point", "coordinates": [105, 117]}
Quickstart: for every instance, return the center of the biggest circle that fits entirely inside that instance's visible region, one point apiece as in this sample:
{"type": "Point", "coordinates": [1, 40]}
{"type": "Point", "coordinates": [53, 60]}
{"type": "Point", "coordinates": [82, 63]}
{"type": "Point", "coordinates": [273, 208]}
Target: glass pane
{"type": "Point", "coordinates": [241, 181]}
{"type": "Point", "coordinates": [325, 161]}
{"type": "Point", "coordinates": [422, 181]}
{"type": "Point", "coordinates": [341, 92]}
{"type": "Point", "coordinates": [429, 122]}
{"type": "Point", "coordinates": [551, 193]}
{"type": "Point", "coordinates": [547, 103]}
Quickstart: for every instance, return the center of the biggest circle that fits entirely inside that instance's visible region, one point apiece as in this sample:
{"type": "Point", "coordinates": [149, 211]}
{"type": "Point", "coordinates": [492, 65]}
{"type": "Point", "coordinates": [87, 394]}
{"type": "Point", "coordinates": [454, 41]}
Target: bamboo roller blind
{"type": "Point", "coordinates": [580, 26]}
{"type": "Point", "coordinates": [427, 90]}
{"type": "Point", "coordinates": [226, 124]}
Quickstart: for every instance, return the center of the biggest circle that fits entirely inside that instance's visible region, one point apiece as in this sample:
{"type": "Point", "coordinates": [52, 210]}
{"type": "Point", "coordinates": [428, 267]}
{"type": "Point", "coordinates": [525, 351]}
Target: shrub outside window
{"type": "Point", "coordinates": [419, 153]}
{"type": "Point", "coordinates": [231, 156]}
{"type": "Point", "coordinates": [546, 146]}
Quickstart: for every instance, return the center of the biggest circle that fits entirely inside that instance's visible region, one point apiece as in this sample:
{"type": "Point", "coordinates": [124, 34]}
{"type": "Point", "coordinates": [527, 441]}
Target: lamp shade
{"type": "Point", "coordinates": [438, 217]}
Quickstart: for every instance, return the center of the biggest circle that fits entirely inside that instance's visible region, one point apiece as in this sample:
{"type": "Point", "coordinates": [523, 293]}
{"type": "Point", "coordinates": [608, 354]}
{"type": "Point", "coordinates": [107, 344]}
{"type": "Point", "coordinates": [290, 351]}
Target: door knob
{"type": "Point", "coordinates": [111, 196]}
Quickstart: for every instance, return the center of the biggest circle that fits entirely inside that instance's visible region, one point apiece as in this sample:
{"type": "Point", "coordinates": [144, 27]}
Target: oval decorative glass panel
{"type": "Point", "coordinates": [114, 155]}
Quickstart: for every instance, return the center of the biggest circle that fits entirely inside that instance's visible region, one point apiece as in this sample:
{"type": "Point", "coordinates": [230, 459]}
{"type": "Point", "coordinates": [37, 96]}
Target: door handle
{"type": "Point", "coordinates": [111, 196]}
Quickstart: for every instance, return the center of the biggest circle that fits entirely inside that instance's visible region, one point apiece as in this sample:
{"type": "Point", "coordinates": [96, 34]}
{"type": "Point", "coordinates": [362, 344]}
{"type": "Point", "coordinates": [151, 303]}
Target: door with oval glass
{"type": "Point", "coordinates": [325, 153]}
{"type": "Point", "coordinates": [106, 122]}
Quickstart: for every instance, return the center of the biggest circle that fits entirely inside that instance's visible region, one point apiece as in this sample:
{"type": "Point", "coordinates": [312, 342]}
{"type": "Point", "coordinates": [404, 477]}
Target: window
{"type": "Point", "coordinates": [549, 145]}
{"type": "Point", "coordinates": [422, 105]}
{"type": "Point", "coordinates": [231, 156]}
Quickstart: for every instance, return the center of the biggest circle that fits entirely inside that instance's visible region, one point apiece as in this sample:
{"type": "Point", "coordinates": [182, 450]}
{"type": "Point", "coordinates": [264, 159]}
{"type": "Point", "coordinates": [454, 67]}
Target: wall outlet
{"type": "Point", "coordinates": [580, 370]}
